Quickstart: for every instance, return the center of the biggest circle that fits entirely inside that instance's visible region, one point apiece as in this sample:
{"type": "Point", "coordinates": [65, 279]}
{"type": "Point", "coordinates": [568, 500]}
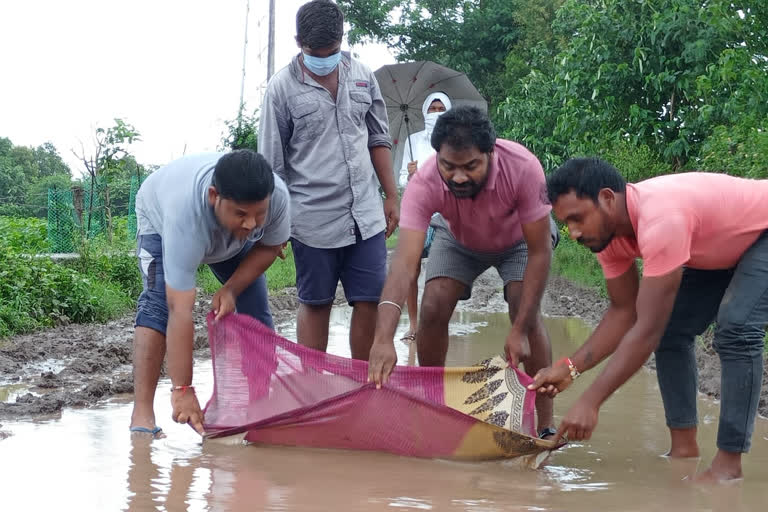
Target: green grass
{"type": "Point", "coordinates": [281, 274]}
{"type": "Point", "coordinates": [578, 264]}
{"type": "Point", "coordinates": [392, 240]}
{"type": "Point", "coordinates": [36, 293]}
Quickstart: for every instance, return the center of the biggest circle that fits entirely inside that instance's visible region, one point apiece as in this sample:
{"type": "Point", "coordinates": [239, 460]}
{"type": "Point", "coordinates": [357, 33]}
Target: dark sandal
{"type": "Point", "coordinates": [547, 432]}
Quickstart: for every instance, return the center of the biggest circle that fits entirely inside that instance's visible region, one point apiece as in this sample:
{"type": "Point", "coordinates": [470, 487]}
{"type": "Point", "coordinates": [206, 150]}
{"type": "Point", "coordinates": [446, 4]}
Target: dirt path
{"type": "Point", "coordinates": [80, 365]}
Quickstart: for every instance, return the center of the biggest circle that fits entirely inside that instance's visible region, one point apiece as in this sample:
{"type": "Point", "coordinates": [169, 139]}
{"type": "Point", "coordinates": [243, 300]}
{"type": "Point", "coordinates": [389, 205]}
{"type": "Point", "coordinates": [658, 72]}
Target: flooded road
{"type": "Point", "coordinates": [85, 460]}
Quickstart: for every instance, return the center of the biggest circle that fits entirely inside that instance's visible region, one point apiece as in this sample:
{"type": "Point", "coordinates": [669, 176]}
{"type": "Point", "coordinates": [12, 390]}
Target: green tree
{"type": "Point", "coordinates": [22, 169]}
{"type": "Point", "coordinates": [49, 161]}
{"type": "Point", "coordinates": [107, 163]}
{"type": "Point", "coordinates": [474, 37]}
{"type": "Point", "coordinates": [656, 73]}
{"type": "Point", "coordinates": [241, 132]}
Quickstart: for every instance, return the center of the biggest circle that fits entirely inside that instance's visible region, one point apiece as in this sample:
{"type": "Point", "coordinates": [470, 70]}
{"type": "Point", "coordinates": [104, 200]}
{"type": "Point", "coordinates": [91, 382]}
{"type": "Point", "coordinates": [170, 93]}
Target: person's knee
{"type": "Point", "coordinates": [152, 312]}
{"type": "Point", "coordinates": [435, 309]}
{"type": "Point", "coordinates": [734, 339]}
{"type": "Point", "coordinates": [316, 309]}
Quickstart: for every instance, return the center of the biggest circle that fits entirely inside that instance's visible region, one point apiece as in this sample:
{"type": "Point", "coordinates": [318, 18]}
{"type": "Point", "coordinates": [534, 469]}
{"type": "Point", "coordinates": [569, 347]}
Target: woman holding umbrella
{"type": "Point", "coordinates": [418, 148]}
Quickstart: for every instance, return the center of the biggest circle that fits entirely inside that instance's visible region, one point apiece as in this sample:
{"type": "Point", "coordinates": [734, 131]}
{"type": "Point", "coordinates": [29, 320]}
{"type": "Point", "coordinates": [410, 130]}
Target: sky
{"type": "Point", "coordinates": [172, 68]}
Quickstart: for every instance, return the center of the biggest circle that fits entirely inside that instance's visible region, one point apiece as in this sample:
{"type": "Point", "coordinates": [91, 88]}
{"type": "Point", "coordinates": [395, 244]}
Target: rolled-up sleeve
{"type": "Point", "coordinates": [376, 118]}
{"type": "Point", "coordinates": [274, 133]}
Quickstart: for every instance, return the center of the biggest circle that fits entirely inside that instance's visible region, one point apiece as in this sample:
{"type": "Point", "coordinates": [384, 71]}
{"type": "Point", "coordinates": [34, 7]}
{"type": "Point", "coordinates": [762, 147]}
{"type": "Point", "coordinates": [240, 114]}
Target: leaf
{"type": "Point", "coordinates": [498, 418]}
{"type": "Point", "coordinates": [484, 392]}
{"type": "Point", "coordinates": [490, 404]}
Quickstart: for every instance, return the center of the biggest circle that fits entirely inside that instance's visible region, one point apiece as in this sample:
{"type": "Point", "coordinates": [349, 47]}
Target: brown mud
{"type": "Point", "coordinates": [82, 365]}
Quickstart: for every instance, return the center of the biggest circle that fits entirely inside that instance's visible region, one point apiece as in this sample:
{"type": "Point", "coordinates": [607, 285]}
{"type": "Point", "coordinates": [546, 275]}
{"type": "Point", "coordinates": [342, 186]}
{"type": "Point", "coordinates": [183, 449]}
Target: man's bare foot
{"type": "Point", "coordinates": [682, 453]}
{"type": "Point", "coordinates": [725, 468]}
{"type": "Point", "coordinates": [711, 477]}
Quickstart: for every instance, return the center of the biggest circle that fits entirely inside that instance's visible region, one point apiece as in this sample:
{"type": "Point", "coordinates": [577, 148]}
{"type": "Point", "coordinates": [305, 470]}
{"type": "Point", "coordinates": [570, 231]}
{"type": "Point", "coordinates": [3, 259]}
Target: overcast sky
{"type": "Point", "coordinates": [172, 68]}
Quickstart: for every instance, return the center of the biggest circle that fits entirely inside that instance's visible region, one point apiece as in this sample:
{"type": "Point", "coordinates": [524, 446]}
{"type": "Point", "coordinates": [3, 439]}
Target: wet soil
{"type": "Point", "coordinates": [81, 365]}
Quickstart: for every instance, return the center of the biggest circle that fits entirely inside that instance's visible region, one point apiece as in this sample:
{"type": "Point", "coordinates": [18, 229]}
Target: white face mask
{"type": "Point", "coordinates": [430, 119]}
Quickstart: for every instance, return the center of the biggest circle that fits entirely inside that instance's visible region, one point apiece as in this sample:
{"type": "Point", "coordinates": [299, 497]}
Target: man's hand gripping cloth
{"type": "Point", "coordinates": [270, 390]}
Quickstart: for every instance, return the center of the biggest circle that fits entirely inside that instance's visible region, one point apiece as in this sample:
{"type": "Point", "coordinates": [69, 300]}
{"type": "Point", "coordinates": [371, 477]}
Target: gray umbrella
{"type": "Point", "coordinates": [406, 86]}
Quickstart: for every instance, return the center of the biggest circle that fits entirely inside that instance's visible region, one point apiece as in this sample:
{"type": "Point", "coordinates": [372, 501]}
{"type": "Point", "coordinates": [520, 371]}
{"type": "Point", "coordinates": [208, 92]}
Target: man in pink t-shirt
{"type": "Point", "coordinates": [491, 195]}
{"type": "Point", "coordinates": [704, 245]}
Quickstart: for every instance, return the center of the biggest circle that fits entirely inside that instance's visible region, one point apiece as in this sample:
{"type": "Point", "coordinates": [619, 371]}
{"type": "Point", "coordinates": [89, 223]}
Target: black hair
{"type": "Point", "coordinates": [584, 176]}
{"type": "Point", "coordinates": [319, 24]}
{"type": "Point", "coordinates": [462, 128]}
{"type": "Point", "coordinates": [244, 176]}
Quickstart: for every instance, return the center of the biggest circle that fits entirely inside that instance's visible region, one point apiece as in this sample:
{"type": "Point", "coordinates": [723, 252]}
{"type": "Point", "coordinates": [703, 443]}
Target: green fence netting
{"type": "Point", "coordinates": [75, 214]}
{"type": "Point", "coordinates": [62, 221]}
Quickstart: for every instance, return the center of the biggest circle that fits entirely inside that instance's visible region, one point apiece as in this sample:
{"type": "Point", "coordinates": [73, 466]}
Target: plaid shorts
{"type": "Point", "coordinates": [449, 258]}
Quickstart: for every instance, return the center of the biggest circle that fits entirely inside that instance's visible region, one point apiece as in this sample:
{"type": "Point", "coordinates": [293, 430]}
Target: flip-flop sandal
{"type": "Point", "coordinates": [408, 338]}
{"type": "Point", "coordinates": [144, 430]}
{"type": "Point", "coordinates": [547, 432]}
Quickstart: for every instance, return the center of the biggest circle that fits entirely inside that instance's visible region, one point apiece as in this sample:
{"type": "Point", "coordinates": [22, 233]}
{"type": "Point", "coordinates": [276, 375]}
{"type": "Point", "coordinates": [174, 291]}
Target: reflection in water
{"type": "Point", "coordinates": [86, 460]}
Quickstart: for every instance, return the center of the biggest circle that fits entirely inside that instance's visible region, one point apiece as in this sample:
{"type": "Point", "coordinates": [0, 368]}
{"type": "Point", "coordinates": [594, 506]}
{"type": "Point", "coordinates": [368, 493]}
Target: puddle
{"type": "Point", "coordinates": [86, 460]}
{"type": "Point", "coordinates": [11, 389]}
{"type": "Point", "coordinates": [9, 392]}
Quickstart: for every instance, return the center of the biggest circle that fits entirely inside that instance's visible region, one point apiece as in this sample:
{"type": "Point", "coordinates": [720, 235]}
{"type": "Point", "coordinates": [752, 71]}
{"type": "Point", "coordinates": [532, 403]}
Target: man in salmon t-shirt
{"type": "Point", "coordinates": [704, 245]}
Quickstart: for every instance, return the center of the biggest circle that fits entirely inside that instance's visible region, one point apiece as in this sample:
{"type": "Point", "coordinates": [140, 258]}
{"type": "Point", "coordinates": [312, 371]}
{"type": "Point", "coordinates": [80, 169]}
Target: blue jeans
{"type": "Point", "coordinates": [152, 310]}
{"type": "Point", "coordinates": [737, 299]}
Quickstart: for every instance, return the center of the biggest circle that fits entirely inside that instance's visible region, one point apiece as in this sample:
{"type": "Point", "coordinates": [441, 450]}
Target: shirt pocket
{"type": "Point", "coordinates": [307, 120]}
{"type": "Point", "coordinates": [361, 104]}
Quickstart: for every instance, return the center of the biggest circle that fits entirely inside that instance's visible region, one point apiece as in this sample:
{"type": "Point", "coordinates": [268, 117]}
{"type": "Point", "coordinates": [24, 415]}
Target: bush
{"type": "Point", "coordinates": [37, 292]}
{"type": "Point", "coordinates": [26, 235]}
{"type": "Point", "coordinates": [736, 150]}
{"type": "Point", "coordinates": [577, 263]}
{"type": "Point", "coordinates": [634, 162]}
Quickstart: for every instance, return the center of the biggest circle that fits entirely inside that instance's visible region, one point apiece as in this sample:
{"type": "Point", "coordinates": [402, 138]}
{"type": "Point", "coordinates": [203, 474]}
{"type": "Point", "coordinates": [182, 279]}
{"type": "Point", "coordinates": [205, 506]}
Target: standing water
{"type": "Point", "coordinates": [85, 460]}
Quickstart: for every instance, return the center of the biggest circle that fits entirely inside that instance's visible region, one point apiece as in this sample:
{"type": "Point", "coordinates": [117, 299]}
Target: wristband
{"type": "Point", "coordinates": [183, 389]}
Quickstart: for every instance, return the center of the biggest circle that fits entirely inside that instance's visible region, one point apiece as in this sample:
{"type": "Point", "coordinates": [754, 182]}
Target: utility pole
{"type": "Point", "coordinates": [245, 47]}
{"type": "Point", "coordinates": [271, 43]}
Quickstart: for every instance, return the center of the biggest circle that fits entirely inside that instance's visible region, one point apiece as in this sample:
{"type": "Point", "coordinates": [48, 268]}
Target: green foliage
{"type": "Point", "coordinates": [472, 37]}
{"type": "Point", "coordinates": [206, 281]}
{"type": "Point", "coordinates": [281, 274]}
{"type": "Point", "coordinates": [25, 174]}
{"type": "Point", "coordinates": [36, 292]}
{"type": "Point", "coordinates": [23, 235]}
{"type": "Point", "coordinates": [241, 132]}
{"type": "Point", "coordinates": [110, 167]}
{"type": "Point", "coordinates": [119, 269]}
{"type": "Point", "coordinates": [737, 150]}
{"type": "Point", "coordinates": [658, 74]}
{"type": "Point", "coordinates": [634, 162]}
{"type": "Point", "coordinates": [577, 264]}
{"type": "Point", "coordinates": [37, 194]}
{"type": "Point", "coordinates": [392, 240]}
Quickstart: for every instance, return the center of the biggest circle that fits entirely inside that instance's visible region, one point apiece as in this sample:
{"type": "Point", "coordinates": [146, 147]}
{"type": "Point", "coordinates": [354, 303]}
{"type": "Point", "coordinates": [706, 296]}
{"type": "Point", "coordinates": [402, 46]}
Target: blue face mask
{"type": "Point", "coordinates": [322, 66]}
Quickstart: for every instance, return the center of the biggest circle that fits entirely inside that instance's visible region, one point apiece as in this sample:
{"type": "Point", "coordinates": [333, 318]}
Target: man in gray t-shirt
{"type": "Point", "coordinates": [227, 210]}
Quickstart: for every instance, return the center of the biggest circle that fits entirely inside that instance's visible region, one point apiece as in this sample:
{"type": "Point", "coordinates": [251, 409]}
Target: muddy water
{"type": "Point", "coordinates": [85, 459]}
